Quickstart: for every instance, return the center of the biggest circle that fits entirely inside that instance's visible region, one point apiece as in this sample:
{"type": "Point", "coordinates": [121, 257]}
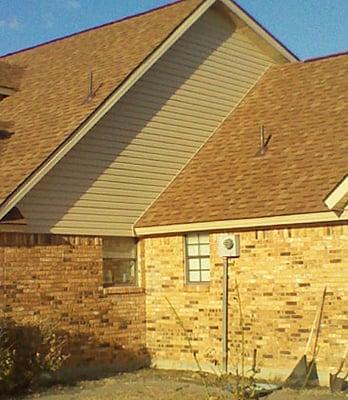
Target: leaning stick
{"type": "Point", "coordinates": [319, 323]}
{"type": "Point", "coordinates": [312, 331]}
{"type": "Point", "coordinates": [342, 362]}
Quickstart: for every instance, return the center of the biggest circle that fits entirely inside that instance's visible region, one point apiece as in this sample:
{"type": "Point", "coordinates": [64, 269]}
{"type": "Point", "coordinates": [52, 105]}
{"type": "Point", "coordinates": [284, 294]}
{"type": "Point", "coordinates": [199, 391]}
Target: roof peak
{"type": "Point", "coordinates": [58, 39]}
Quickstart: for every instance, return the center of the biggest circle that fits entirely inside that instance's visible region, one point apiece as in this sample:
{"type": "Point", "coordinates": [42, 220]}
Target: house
{"type": "Point", "coordinates": [126, 149]}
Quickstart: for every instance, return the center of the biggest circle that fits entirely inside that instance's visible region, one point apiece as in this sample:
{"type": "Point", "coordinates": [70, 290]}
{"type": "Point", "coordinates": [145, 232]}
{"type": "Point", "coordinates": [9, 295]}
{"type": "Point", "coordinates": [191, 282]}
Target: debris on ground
{"type": "Point", "coordinates": [149, 384]}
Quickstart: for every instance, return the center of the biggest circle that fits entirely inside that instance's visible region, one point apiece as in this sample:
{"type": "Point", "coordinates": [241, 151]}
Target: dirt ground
{"type": "Point", "coordinates": [149, 384]}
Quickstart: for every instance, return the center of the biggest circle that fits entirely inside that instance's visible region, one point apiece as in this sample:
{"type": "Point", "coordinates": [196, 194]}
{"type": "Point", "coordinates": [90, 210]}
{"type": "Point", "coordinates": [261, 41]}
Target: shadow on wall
{"type": "Point", "coordinates": [11, 239]}
{"type": "Point", "coordinates": [51, 298]}
{"type": "Point", "coordinates": [36, 352]}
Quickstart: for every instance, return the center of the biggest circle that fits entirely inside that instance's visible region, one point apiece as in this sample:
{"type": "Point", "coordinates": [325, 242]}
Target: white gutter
{"type": "Point", "coordinates": [282, 220]}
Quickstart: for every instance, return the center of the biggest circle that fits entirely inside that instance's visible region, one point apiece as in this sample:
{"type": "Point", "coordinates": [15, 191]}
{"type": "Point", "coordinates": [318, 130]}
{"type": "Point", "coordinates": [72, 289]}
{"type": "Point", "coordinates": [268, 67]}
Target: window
{"type": "Point", "coordinates": [197, 257]}
{"type": "Point", "coordinates": [119, 261]}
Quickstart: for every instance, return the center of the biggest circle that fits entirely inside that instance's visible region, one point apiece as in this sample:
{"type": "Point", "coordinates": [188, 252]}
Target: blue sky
{"type": "Point", "coordinates": [310, 28]}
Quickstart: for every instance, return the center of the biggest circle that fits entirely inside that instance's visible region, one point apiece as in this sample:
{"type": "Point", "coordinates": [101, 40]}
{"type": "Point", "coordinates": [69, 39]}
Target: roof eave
{"type": "Point", "coordinates": [13, 228]}
{"type": "Point", "coordinates": [247, 223]}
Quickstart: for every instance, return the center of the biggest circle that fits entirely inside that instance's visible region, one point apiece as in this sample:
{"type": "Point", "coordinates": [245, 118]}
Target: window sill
{"type": "Point", "coordinates": [197, 287]}
{"type": "Point", "coordinates": [123, 290]}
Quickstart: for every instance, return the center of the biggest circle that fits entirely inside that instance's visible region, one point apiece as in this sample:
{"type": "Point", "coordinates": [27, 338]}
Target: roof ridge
{"type": "Point", "coordinates": [307, 61]}
{"type": "Point", "coordinates": [58, 39]}
{"type": "Point", "coordinates": [319, 58]}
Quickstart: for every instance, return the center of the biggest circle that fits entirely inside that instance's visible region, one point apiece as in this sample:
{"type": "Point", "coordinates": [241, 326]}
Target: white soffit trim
{"type": "Point", "coordinates": [338, 198]}
{"type": "Point", "coordinates": [282, 220]}
{"type": "Point", "coordinates": [259, 29]}
{"type": "Point", "coordinates": [51, 161]}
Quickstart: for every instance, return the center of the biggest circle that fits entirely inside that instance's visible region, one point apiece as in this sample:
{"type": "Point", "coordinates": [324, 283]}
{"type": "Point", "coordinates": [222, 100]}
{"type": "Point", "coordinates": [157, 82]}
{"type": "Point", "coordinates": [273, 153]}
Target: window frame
{"type": "Point", "coordinates": [199, 257]}
{"type": "Point", "coordinates": [136, 266]}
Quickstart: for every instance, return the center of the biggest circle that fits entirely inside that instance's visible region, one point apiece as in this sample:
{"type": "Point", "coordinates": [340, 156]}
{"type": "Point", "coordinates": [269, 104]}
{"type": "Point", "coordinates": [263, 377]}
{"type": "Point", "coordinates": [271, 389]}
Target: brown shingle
{"type": "Point", "coordinates": [51, 103]}
{"type": "Point", "coordinates": [304, 106]}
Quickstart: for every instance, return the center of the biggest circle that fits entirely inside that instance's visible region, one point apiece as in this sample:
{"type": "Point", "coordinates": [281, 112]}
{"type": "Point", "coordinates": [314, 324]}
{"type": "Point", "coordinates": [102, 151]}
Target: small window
{"type": "Point", "coordinates": [119, 261]}
{"type": "Point", "coordinates": [197, 257]}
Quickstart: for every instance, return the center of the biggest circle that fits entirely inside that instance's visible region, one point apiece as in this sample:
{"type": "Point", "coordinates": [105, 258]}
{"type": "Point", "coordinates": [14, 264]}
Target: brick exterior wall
{"type": "Point", "coordinates": [59, 278]}
{"type": "Point", "coordinates": [281, 274]}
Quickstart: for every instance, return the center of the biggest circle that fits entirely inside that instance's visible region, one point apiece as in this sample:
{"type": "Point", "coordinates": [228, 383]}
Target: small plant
{"type": "Point", "coordinates": [238, 386]}
{"type": "Point", "coordinates": [6, 361]}
{"type": "Point", "coordinates": [53, 354]}
{"type": "Point", "coordinates": [29, 352]}
{"type": "Point", "coordinates": [192, 351]}
{"type": "Point", "coordinates": [245, 386]}
{"type": "Point", "coordinates": [241, 383]}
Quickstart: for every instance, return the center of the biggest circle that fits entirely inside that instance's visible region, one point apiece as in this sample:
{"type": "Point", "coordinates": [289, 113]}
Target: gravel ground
{"type": "Point", "coordinates": [149, 384]}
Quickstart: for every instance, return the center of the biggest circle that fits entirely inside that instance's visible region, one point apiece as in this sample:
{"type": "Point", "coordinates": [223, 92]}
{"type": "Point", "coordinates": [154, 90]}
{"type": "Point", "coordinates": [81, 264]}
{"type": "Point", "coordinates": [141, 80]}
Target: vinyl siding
{"type": "Point", "coordinates": [112, 175]}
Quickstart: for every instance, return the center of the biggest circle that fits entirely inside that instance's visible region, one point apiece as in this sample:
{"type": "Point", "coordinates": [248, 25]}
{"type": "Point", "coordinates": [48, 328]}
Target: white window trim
{"type": "Point", "coordinates": [199, 257]}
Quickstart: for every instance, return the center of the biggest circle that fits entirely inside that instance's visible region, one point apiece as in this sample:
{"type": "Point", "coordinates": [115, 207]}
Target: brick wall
{"type": "Point", "coordinates": [281, 273]}
{"type": "Point", "coordinates": [60, 279]}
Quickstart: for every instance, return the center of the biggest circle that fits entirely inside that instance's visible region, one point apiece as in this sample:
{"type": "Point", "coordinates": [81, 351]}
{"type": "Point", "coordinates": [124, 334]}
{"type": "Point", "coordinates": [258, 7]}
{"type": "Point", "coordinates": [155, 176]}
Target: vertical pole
{"type": "Point", "coordinates": [90, 85]}
{"type": "Point", "coordinates": [262, 139]}
{"type": "Point", "coordinates": [225, 317]}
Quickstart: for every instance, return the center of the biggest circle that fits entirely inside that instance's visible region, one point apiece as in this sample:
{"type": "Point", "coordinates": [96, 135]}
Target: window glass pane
{"type": "Point", "coordinates": [205, 263]}
{"type": "Point", "coordinates": [119, 261]}
{"type": "Point", "coordinates": [204, 249]}
{"type": "Point", "coordinates": [119, 272]}
{"type": "Point", "coordinates": [192, 250]}
{"type": "Point", "coordinates": [193, 263]}
{"type": "Point", "coordinates": [205, 276]}
{"type": "Point", "coordinates": [194, 276]}
{"type": "Point", "coordinates": [119, 247]}
{"type": "Point", "coordinates": [192, 238]}
{"type": "Point", "coordinates": [204, 238]}
{"type": "Point", "coordinates": [198, 262]}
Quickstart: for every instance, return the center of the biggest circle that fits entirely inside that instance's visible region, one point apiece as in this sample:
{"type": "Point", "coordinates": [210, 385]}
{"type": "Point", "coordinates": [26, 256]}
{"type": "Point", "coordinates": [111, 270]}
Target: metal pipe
{"type": "Point", "coordinates": [225, 317]}
{"type": "Point", "coordinates": [90, 85]}
{"type": "Point", "coordinates": [262, 139]}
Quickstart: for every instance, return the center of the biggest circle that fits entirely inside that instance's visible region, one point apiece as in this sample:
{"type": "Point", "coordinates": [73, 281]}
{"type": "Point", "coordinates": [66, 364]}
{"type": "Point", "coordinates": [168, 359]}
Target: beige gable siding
{"type": "Point", "coordinates": [121, 166]}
